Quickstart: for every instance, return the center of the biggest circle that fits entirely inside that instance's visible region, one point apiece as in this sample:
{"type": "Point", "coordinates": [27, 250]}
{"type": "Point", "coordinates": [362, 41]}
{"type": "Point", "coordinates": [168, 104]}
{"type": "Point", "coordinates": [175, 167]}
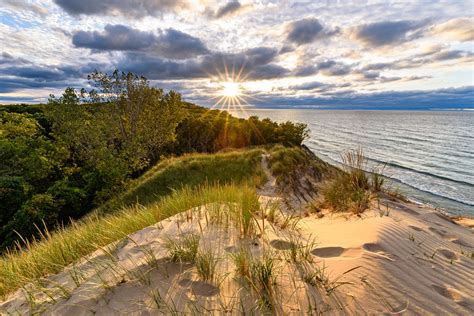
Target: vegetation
{"type": "Point", "coordinates": [263, 279]}
{"type": "Point", "coordinates": [351, 189]}
{"type": "Point", "coordinates": [236, 166]}
{"type": "Point", "coordinates": [184, 249]}
{"type": "Point", "coordinates": [287, 163]}
{"type": "Point", "coordinates": [65, 158]}
{"type": "Point", "coordinates": [68, 244]}
{"type": "Point", "coordinates": [206, 263]}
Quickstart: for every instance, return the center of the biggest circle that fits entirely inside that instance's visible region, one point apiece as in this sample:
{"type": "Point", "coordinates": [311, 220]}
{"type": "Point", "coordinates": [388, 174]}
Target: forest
{"type": "Point", "coordinates": [62, 159]}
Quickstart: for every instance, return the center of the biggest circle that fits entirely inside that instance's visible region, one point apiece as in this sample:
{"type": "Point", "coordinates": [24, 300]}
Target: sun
{"type": "Point", "coordinates": [230, 89]}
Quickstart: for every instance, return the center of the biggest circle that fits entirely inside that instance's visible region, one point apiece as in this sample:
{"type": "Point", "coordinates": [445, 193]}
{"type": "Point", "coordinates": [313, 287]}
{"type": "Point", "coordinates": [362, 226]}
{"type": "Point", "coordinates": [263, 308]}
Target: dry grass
{"type": "Point", "coordinates": [67, 245]}
{"type": "Point", "coordinates": [206, 263]}
{"type": "Point", "coordinates": [184, 249]}
{"type": "Point", "coordinates": [351, 190]}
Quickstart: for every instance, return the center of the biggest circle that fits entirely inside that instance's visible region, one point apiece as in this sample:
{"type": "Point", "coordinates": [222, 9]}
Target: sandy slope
{"type": "Point", "coordinates": [412, 259]}
{"type": "Point", "coordinates": [409, 259]}
{"type": "Point", "coordinates": [397, 258]}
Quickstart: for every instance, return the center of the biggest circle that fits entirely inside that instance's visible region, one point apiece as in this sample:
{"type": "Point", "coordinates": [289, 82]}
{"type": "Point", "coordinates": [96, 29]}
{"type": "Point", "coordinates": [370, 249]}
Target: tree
{"type": "Point", "coordinates": [117, 129]}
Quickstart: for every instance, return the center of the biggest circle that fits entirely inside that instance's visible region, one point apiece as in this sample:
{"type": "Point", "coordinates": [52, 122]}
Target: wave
{"type": "Point", "coordinates": [467, 203]}
{"type": "Point", "coordinates": [411, 185]}
{"type": "Point", "coordinates": [437, 176]}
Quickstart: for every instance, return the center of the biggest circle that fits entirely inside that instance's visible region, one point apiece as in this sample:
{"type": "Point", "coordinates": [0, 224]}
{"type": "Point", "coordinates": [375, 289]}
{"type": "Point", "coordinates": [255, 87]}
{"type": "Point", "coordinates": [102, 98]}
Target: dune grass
{"type": "Point", "coordinates": [232, 166]}
{"type": "Point", "coordinates": [59, 249]}
{"type": "Point", "coordinates": [285, 162]}
{"type": "Point", "coordinates": [351, 189]}
{"type": "Point", "coordinates": [206, 264]}
{"type": "Point", "coordinates": [184, 249]}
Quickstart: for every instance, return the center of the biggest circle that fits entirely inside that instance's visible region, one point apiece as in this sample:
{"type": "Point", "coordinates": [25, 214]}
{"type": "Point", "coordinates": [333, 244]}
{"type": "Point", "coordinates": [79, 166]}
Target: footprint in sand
{"type": "Point", "coordinates": [339, 252]}
{"type": "Point", "coordinates": [448, 254]}
{"type": "Point", "coordinates": [280, 244]}
{"type": "Point", "coordinates": [454, 295]}
{"type": "Point", "coordinates": [377, 250]}
{"type": "Point", "coordinates": [418, 229]}
{"type": "Point", "coordinates": [441, 232]}
{"type": "Point", "coordinates": [204, 289]}
{"type": "Point", "coordinates": [199, 287]}
{"type": "Point", "coordinates": [462, 243]}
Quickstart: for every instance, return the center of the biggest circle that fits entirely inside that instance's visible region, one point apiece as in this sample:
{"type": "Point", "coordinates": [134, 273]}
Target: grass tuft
{"type": "Point", "coordinates": [184, 249]}
{"type": "Point", "coordinates": [351, 189]}
{"type": "Point", "coordinates": [263, 279]}
{"type": "Point", "coordinates": [206, 263]}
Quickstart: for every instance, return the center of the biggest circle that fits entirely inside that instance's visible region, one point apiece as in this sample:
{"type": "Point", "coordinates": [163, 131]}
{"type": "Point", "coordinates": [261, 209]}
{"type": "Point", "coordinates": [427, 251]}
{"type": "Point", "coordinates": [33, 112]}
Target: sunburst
{"type": "Point", "coordinates": [230, 93]}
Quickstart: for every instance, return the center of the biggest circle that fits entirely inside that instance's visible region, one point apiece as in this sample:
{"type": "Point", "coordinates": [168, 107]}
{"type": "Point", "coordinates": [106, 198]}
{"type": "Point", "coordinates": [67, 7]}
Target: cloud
{"type": "Point", "coordinates": [306, 31]}
{"type": "Point", "coordinates": [253, 64]}
{"type": "Point", "coordinates": [461, 29]}
{"type": "Point", "coordinates": [423, 59]}
{"type": "Point", "coordinates": [315, 86]}
{"type": "Point", "coordinates": [133, 8]}
{"type": "Point", "coordinates": [462, 97]}
{"type": "Point", "coordinates": [326, 67]}
{"type": "Point", "coordinates": [114, 37]}
{"type": "Point", "coordinates": [6, 58]}
{"type": "Point", "coordinates": [230, 8]}
{"type": "Point", "coordinates": [21, 74]}
{"type": "Point", "coordinates": [11, 84]}
{"type": "Point", "coordinates": [386, 32]}
{"type": "Point", "coordinates": [169, 43]}
{"type": "Point", "coordinates": [178, 45]}
{"type": "Point", "coordinates": [452, 54]}
{"type": "Point", "coordinates": [25, 6]}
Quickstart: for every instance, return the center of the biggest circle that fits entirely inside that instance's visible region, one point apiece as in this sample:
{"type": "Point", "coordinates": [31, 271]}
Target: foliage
{"type": "Point", "coordinates": [65, 158]}
{"type": "Point", "coordinates": [206, 130]}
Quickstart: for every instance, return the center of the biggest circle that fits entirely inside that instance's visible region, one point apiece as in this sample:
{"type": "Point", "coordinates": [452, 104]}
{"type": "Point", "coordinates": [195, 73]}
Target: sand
{"type": "Point", "coordinates": [396, 258]}
{"type": "Point", "coordinates": [404, 258]}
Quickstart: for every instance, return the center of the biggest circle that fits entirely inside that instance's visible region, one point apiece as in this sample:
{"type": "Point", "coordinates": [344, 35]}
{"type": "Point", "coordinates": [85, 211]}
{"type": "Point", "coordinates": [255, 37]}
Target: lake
{"type": "Point", "coordinates": [428, 155]}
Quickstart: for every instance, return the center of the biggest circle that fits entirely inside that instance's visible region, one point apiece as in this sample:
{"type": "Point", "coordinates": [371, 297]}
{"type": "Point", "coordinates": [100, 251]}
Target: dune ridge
{"type": "Point", "coordinates": [395, 258]}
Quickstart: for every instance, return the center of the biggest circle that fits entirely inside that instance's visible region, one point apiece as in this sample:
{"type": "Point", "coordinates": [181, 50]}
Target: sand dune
{"type": "Point", "coordinates": [410, 259]}
{"type": "Point", "coordinates": [401, 258]}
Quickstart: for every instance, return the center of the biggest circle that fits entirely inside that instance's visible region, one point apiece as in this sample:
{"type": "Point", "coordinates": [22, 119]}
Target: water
{"type": "Point", "coordinates": [429, 156]}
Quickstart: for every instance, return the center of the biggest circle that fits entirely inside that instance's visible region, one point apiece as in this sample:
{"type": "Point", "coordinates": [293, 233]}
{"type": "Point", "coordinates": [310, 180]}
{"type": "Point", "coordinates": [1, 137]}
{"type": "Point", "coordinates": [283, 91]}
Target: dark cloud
{"type": "Point", "coordinates": [325, 67]}
{"type": "Point", "coordinates": [114, 37]}
{"type": "Point", "coordinates": [255, 63]}
{"type": "Point", "coordinates": [168, 43]}
{"type": "Point", "coordinates": [134, 8]}
{"type": "Point", "coordinates": [306, 31]}
{"type": "Point", "coordinates": [451, 54]}
{"type": "Point", "coordinates": [6, 58]}
{"type": "Point", "coordinates": [11, 84]}
{"type": "Point", "coordinates": [462, 97]}
{"type": "Point", "coordinates": [34, 72]}
{"type": "Point", "coordinates": [30, 76]}
{"type": "Point", "coordinates": [419, 60]}
{"type": "Point", "coordinates": [228, 9]}
{"type": "Point", "coordinates": [387, 32]}
{"type": "Point", "coordinates": [314, 86]}
{"type": "Point", "coordinates": [178, 45]}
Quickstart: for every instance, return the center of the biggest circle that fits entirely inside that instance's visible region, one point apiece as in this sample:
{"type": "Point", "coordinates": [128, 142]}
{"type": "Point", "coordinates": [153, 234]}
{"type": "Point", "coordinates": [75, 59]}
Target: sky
{"type": "Point", "coordinates": [278, 54]}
